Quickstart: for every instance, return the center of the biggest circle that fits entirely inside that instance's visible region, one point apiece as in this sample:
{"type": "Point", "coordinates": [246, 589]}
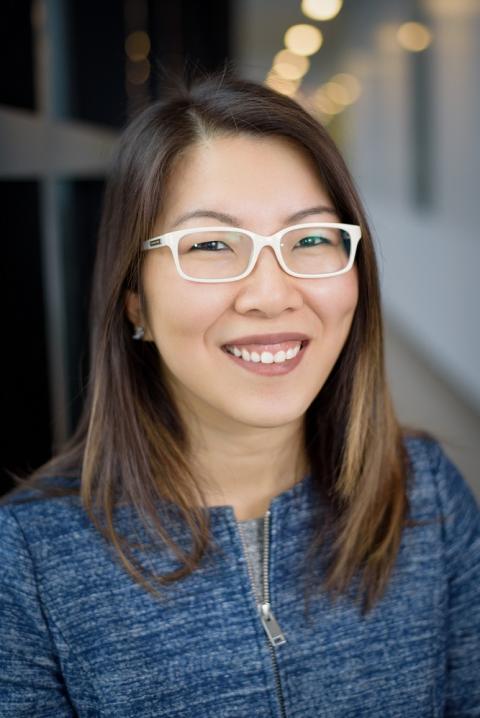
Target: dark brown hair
{"type": "Point", "coordinates": [130, 445]}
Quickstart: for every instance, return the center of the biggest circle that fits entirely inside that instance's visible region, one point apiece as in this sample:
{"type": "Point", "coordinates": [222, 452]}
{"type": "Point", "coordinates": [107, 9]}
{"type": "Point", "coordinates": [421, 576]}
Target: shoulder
{"type": "Point", "coordinates": [28, 523]}
{"type": "Point", "coordinates": [35, 522]}
{"type": "Point", "coordinates": [425, 455]}
{"type": "Point", "coordinates": [51, 553]}
{"type": "Point", "coordinates": [50, 505]}
{"type": "Point", "coordinates": [430, 470]}
{"type": "Point", "coordinates": [437, 490]}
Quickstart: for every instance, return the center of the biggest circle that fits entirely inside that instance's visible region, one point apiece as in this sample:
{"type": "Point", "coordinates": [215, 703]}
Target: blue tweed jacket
{"type": "Point", "coordinates": [78, 637]}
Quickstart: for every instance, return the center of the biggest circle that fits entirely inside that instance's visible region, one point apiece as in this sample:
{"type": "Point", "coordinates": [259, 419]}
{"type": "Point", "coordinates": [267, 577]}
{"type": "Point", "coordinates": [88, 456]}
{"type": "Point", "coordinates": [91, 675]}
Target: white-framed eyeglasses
{"type": "Point", "coordinates": [227, 254]}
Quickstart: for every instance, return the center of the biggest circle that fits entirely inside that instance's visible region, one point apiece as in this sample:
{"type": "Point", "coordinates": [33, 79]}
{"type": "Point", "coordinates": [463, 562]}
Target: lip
{"type": "Point", "coordinates": [268, 339]}
{"type": "Point", "coordinates": [271, 369]}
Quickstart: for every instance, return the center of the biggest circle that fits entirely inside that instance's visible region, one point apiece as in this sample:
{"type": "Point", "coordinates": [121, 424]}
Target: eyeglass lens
{"type": "Point", "coordinates": [225, 254]}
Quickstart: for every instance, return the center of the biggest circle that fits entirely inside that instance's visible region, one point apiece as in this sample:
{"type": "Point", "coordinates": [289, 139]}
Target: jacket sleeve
{"type": "Point", "coordinates": [30, 677]}
{"type": "Point", "coordinates": [461, 527]}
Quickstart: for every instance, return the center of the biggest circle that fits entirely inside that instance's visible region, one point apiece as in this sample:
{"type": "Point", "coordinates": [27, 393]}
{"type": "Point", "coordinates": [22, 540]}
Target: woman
{"type": "Point", "coordinates": [251, 534]}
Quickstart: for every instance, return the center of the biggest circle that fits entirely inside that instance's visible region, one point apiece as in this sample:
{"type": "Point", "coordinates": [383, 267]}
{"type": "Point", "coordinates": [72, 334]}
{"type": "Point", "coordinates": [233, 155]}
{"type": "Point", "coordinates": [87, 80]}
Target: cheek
{"type": "Point", "coordinates": [334, 300]}
{"type": "Point", "coordinates": [177, 309]}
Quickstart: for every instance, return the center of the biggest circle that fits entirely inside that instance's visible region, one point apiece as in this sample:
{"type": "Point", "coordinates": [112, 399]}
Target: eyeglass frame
{"type": "Point", "coordinates": [172, 239]}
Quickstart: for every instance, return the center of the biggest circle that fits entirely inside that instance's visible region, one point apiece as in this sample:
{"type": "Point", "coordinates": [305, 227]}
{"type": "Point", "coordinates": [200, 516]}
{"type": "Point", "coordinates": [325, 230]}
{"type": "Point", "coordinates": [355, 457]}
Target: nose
{"type": "Point", "coordinates": [268, 290]}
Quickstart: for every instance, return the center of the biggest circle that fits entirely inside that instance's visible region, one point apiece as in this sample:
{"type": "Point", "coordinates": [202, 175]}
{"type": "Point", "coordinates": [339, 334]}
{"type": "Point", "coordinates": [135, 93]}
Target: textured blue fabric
{"type": "Point", "coordinates": [79, 637]}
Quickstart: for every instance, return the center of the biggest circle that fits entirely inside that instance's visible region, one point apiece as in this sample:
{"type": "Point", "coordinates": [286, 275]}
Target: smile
{"type": "Point", "coordinates": [265, 357]}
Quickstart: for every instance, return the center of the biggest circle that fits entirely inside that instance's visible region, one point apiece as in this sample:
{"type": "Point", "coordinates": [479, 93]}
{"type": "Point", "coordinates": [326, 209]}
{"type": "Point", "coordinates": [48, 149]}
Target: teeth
{"type": "Point", "coordinates": [265, 357]}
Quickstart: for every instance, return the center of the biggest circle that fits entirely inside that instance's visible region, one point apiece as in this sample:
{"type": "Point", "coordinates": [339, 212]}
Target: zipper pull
{"type": "Point", "coordinates": [269, 622]}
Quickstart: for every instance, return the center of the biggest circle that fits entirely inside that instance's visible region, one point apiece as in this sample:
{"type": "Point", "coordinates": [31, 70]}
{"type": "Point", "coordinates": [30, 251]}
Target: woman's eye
{"type": "Point", "coordinates": [212, 246]}
{"type": "Point", "coordinates": [312, 241]}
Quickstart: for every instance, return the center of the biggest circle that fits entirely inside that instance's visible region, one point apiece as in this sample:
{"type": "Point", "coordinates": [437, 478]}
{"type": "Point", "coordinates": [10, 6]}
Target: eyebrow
{"type": "Point", "coordinates": [230, 219]}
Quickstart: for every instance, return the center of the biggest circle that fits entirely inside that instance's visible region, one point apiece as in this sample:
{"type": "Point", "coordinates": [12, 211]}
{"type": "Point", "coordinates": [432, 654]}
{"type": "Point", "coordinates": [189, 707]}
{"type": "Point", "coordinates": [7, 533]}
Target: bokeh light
{"type": "Point", "coordinates": [137, 46]}
{"type": "Point", "coordinates": [350, 84]}
{"type": "Point", "coordinates": [321, 9]}
{"type": "Point", "coordinates": [325, 104]}
{"type": "Point", "coordinates": [138, 72]}
{"type": "Point", "coordinates": [289, 65]}
{"type": "Point", "coordinates": [337, 93]}
{"type": "Point", "coordinates": [414, 36]}
{"type": "Point", "coordinates": [282, 85]}
{"type": "Point", "coordinates": [303, 39]}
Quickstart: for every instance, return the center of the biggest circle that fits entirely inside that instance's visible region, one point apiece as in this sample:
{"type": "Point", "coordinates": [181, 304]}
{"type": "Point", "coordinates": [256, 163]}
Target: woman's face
{"type": "Point", "coordinates": [261, 184]}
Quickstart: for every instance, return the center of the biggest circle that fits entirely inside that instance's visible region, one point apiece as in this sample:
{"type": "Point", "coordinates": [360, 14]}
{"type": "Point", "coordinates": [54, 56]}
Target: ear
{"type": "Point", "coordinates": [133, 308]}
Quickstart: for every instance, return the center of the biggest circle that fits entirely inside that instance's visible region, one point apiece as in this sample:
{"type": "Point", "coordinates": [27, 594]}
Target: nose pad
{"type": "Point", "coordinates": [268, 290]}
{"type": "Point", "coordinates": [266, 252]}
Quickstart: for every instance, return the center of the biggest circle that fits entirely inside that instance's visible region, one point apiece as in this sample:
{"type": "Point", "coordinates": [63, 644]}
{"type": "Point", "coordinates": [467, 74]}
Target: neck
{"type": "Point", "coordinates": [247, 467]}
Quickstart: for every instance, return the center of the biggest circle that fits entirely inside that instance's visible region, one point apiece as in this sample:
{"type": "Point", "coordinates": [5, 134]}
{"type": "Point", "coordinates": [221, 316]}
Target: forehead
{"type": "Point", "coordinates": [257, 179]}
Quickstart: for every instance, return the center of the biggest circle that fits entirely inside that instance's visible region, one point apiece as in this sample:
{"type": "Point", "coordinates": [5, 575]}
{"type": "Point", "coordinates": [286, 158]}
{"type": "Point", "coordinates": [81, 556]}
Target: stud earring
{"type": "Point", "coordinates": [138, 333]}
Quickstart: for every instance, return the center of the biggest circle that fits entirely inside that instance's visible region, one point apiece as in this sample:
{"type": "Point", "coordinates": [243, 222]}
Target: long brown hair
{"type": "Point", "coordinates": [131, 446]}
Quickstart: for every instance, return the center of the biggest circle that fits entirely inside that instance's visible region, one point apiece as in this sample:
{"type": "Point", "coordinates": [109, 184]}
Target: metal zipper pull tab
{"type": "Point", "coordinates": [269, 622]}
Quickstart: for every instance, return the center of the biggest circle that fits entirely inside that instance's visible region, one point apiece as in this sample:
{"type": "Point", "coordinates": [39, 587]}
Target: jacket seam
{"type": "Point", "coordinates": [49, 620]}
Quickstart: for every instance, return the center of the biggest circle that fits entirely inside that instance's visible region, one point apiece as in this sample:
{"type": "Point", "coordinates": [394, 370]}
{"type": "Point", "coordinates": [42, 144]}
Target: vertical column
{"type": "Point", "coordinates": [456, 55]}
{"type": "Point", "coordinates": [50, 86]}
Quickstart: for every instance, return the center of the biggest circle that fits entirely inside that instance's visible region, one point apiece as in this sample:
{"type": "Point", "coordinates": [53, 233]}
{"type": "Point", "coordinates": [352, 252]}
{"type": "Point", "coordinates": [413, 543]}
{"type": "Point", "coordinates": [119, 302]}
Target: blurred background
{"type": "Point", "coordinates": [396, 82]}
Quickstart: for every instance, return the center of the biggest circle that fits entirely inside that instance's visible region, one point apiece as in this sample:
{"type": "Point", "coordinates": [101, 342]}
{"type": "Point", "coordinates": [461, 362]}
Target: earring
{"type": "Point", "coordinates": [138, 333]}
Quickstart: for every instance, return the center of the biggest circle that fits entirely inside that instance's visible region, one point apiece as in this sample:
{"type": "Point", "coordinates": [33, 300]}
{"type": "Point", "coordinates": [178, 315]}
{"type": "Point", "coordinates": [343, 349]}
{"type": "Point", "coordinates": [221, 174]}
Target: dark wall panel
{"type": "Point", "coordinates": [96, 40]}
{"type": "Point", "coordinates": [80, 237]}
{"type": "Point", "coordinates": [26, 434]}
{"type": "Point", "coordinates": [16, 54]}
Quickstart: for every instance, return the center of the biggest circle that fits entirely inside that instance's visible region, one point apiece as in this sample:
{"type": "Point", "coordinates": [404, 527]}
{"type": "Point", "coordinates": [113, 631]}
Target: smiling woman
{"type": "Point", "coordinates": [239, 526]}
{"type": "Point", "coordinates": [190, 324]}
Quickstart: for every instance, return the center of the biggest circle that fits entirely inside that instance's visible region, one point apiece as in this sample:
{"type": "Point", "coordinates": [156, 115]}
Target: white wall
{"type": "Point", "coordinates": [430, 257]}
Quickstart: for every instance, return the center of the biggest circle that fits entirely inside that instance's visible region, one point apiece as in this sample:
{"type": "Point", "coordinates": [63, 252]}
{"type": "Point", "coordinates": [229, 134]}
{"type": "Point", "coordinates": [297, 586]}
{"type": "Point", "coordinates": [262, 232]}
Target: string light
{"type": "Point", "coordinates": [321, 9]}
{"type": "Point", "coordinates": [289, 65]}
{"type": "Point", "coordinates": [138, 72]}
{"type": "Point", "coordinates": [414, 36]}
{"type": "Point", "coordinates": [303, 39]}
{"type": "Point", "coordinates": [282, 85]}
{"type": "Point", "coordinates": [137, 46]}
{"type": "Point", "coordinates": [325, 104]}
{"type": "Point", "coordinates": [350, 84]}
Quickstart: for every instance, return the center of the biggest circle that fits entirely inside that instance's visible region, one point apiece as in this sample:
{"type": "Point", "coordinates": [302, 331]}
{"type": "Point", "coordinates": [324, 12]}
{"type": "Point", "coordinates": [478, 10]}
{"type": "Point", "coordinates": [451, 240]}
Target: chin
{"type": "Point", "coordinates": [269, 417]}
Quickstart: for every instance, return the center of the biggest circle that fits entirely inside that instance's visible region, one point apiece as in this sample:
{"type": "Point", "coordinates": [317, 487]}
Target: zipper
{"type": "Point", "coordinates": [275, 636]}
